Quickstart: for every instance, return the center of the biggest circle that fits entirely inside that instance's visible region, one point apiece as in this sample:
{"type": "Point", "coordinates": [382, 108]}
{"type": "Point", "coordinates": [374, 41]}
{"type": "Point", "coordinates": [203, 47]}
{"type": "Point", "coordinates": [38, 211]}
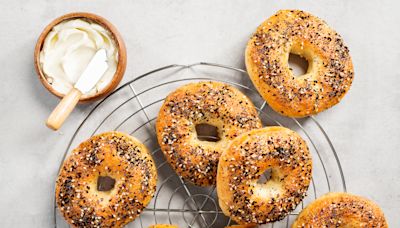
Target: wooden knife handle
{"type": "Point", "coordinates": [63, 109]}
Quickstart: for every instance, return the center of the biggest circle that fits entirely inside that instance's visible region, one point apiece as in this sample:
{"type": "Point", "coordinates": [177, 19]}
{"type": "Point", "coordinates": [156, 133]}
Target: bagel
{"type": "Point", "coordinates": [278, 149]}
{"type": "Point", "coordinates": [113, 155]}
{"type": "Point", "coordinates": [213, 103]}
{"type": "Point", "coordinates": [330, 71]}
{"type": "Point", "coordinates": [341, 210]}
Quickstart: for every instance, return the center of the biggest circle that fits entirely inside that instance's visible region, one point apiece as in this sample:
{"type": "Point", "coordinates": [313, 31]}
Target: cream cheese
{"type": "Point", "coordinates": [68, 49]}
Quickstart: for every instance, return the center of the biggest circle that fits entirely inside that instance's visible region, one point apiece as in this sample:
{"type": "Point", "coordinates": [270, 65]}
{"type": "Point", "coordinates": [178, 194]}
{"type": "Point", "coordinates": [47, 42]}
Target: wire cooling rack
{"type": "Point", "coordinates": [133, 109]}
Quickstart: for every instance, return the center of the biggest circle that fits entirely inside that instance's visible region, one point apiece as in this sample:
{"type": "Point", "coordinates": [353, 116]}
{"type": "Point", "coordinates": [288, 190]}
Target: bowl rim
{"type": "Point", "coordinates": [120, 44]}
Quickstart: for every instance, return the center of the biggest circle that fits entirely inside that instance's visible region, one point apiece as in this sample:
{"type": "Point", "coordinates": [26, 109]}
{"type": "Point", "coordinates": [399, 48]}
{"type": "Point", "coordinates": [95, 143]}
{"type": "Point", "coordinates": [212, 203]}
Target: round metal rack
{"type": "Point", "coordinates": [133, 108]}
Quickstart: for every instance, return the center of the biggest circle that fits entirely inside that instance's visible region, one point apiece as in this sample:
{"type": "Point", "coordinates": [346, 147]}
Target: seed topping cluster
{"type": "Point", "coordinates": [115, 155]}
{"type": "Point", "coordinates": [299, 32]}
{"type": "Point", "coordinates": [278, 149]}
{"type": "Point", "coordinates": [211, 103]}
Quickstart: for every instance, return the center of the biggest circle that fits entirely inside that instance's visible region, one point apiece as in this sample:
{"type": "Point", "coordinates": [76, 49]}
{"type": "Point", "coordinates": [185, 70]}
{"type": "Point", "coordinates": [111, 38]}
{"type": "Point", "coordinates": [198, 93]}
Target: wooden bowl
{"type": "Point", "coordinates": [120, 45]}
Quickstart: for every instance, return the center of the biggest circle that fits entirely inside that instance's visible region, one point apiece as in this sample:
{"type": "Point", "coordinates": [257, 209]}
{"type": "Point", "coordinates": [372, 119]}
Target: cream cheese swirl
{"type": "Point", "coordinates": [68, 49]}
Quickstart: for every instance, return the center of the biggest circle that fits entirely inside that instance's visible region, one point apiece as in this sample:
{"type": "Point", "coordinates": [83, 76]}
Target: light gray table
{"type": "Point", "coordinates": [364, 127]}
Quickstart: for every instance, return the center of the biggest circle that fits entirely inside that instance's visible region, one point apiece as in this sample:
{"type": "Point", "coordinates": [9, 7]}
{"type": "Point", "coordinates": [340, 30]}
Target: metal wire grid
{"type": "Point", "coordinates": [186, 204]}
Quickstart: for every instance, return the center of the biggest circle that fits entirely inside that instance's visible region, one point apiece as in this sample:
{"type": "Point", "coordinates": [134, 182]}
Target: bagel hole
{"type": "Point", "coordinates": [265, 176]}
{"type": "Point", "coordinates": [105, 183]}
{"type": "Point", "coordinates": [207, 132]}
{"type": "Point", "coordinates": [297, 64]}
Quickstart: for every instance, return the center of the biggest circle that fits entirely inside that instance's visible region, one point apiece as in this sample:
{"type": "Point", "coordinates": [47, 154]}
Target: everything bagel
{"type": "Point", "coordinates": [329, 75]}
{"type": "Point", "coordinates": [341, 210]}
{"type": "Point", "coordinates": [116, 155]}
{"type": "Point", "coordinates": [278, 149]}
{"type": "Point", "coordinates": [214, 103]}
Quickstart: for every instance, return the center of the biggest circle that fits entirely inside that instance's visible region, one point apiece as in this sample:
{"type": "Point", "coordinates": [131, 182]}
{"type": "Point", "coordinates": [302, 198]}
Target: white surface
{"type": "Point", "coordinates": [364, 127]}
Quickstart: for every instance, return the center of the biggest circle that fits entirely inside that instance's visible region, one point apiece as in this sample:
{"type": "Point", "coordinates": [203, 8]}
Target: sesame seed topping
{"type": "Point", "coordinates": [213, 103]}
{"type": "Point", "coordinates": [112, 154]}
{"type": "Point", "coordinates": [279, 149]}
{"type": "Point", "coordinates": [299, 32]}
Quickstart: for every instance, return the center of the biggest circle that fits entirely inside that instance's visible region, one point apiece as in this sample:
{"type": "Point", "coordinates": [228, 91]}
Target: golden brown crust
{"type": "Point", "coordinates": [330, 71]}
{"type": "Point", "coordinates": [277, 148]}
{"type": "Point", "coordinates": [112, 154]}
{"type": "Point", "coordinates": [214, 103]}
{"type": "Point", "coordinates": [341, 210]}
{"type": "Point", "coordinates": [163, 226]}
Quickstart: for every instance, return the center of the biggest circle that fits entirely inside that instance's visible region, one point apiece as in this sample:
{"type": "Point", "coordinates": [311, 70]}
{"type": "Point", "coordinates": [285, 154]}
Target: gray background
{"type": "Point", "coordinates": [364, 127]}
